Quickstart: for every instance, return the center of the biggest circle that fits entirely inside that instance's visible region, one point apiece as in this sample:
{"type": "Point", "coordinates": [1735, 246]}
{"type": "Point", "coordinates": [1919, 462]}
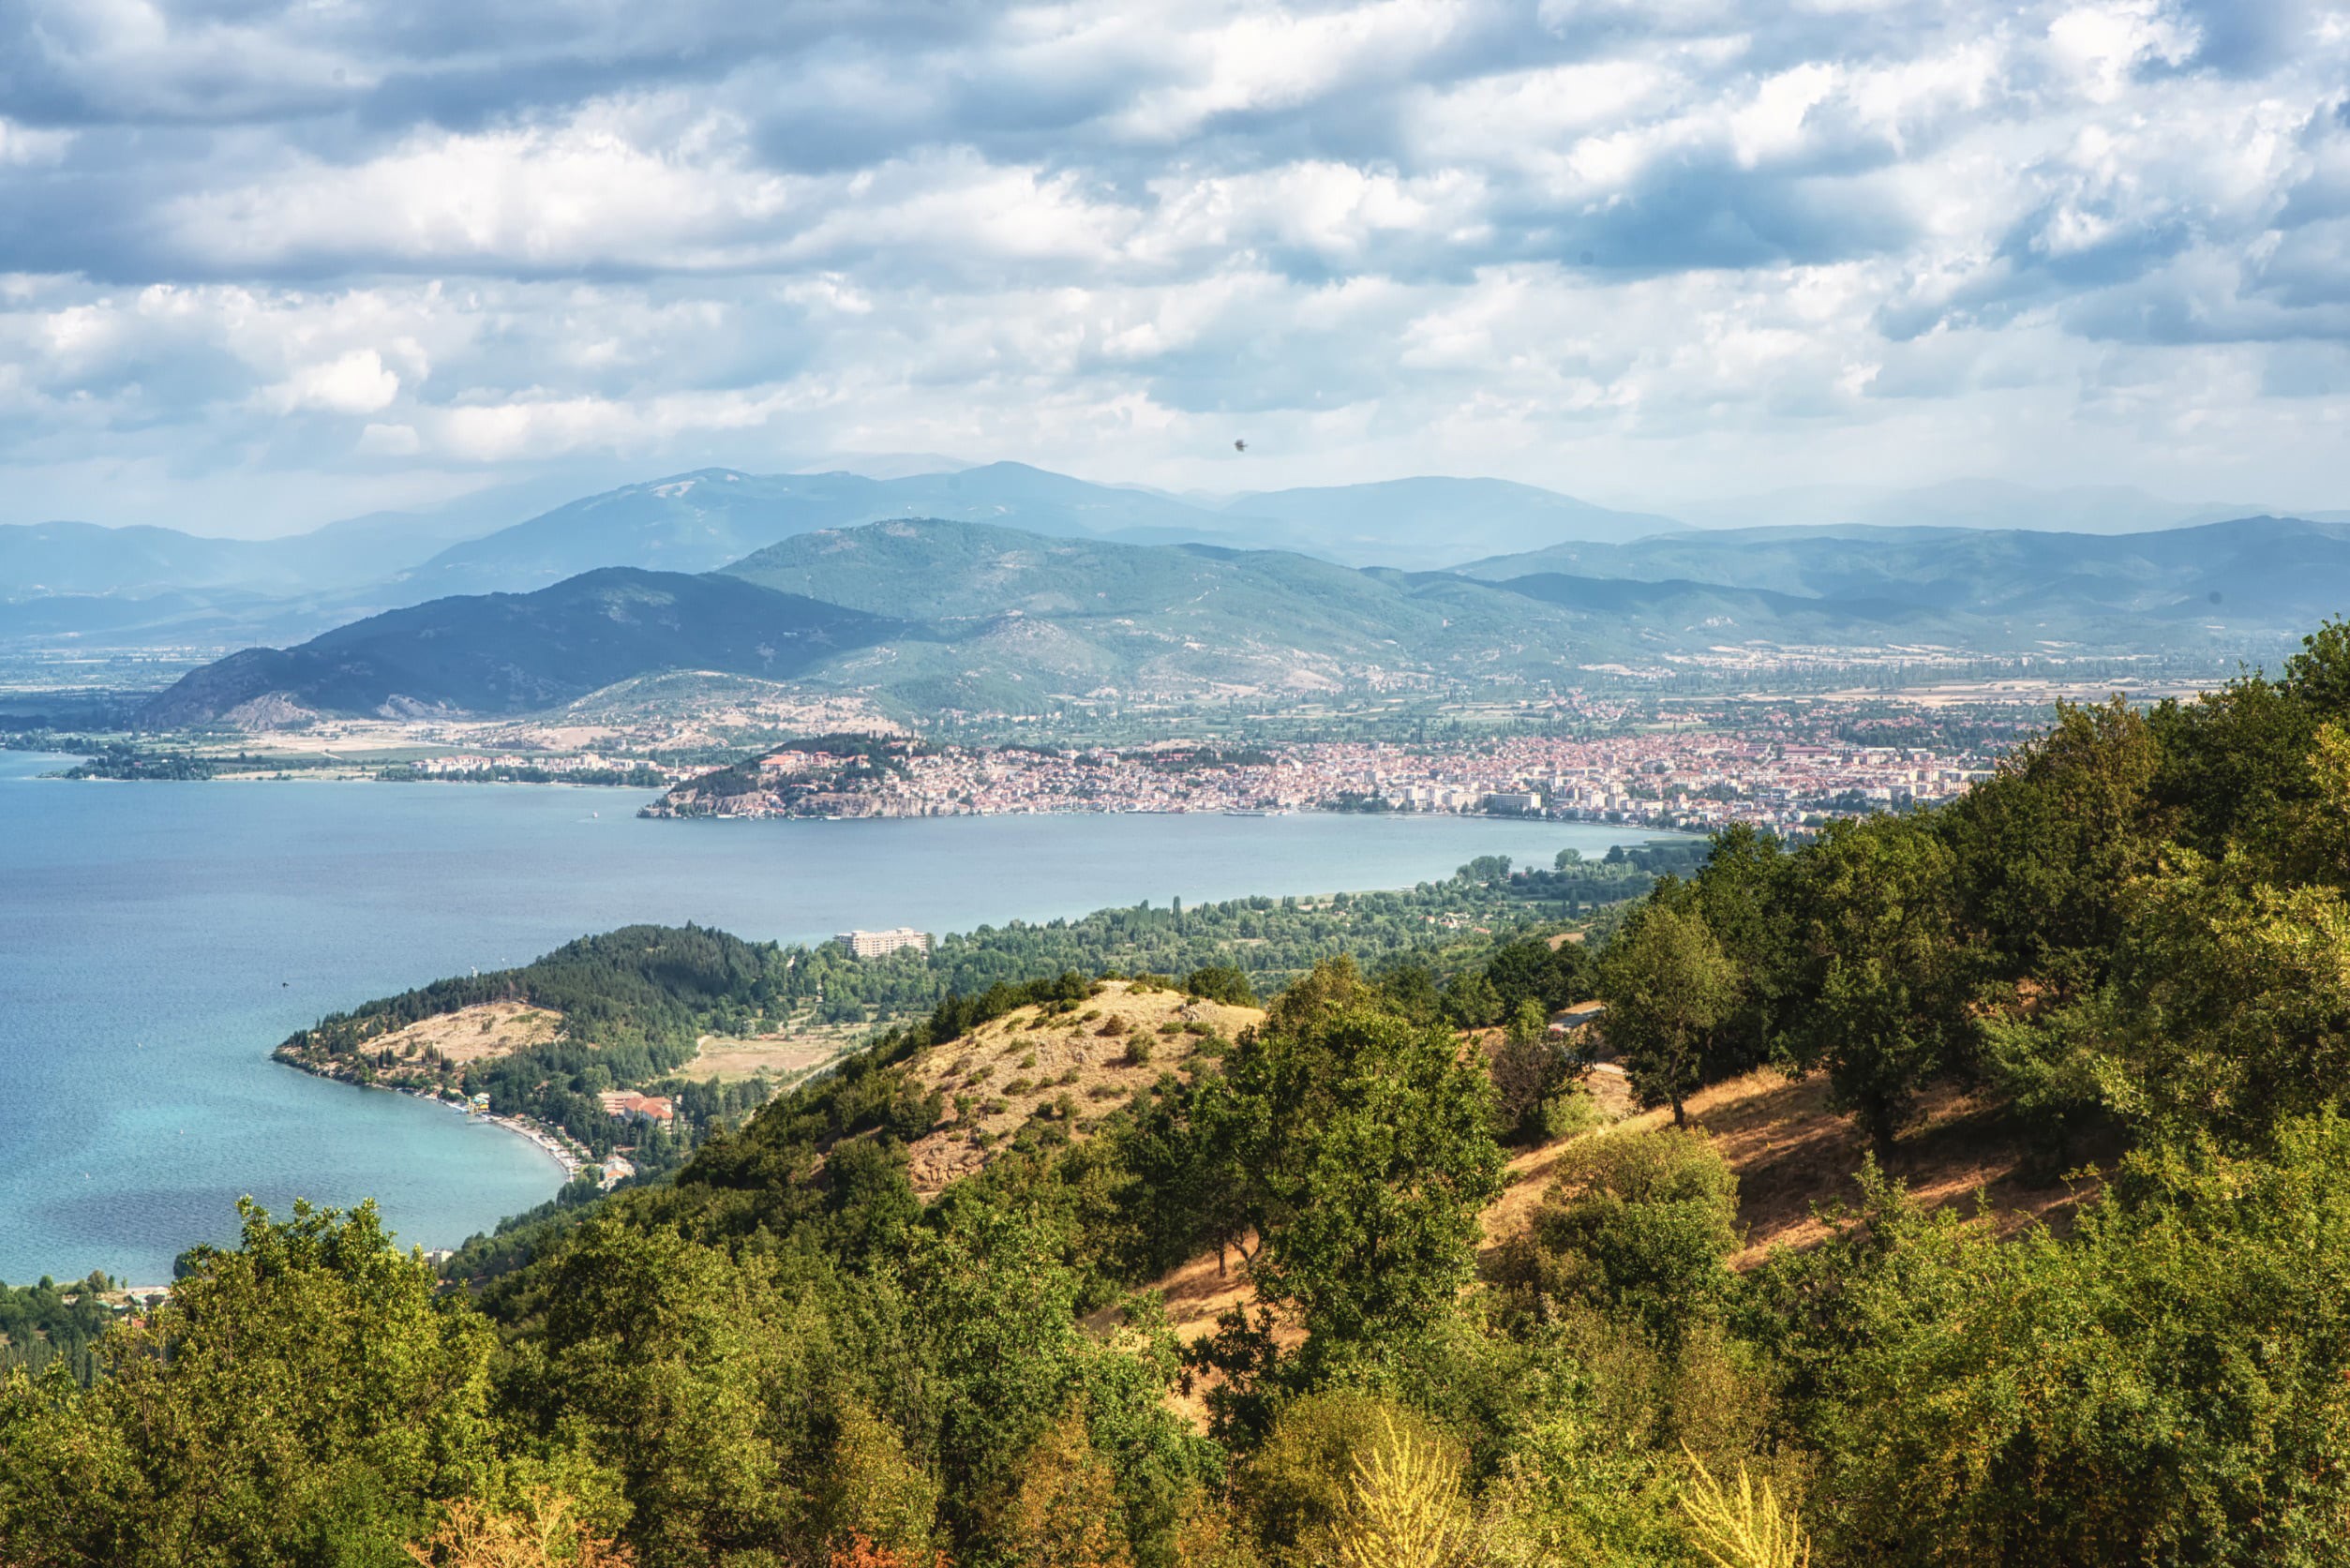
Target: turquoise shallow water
{"type": "Point", "coordinates": [158, 939]}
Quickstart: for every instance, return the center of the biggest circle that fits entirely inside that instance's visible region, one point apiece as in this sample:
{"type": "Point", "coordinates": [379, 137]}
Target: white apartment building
{"type": "Point", "coordinates": [878, 944]}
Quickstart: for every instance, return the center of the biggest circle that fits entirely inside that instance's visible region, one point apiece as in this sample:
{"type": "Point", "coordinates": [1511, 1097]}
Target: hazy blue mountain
{"type": "Point", "coordinates": [2251, 574]}
{"type": "Point", "coordinates": [1969, 503]}
{"type": "Point", "coordinates": [695, 522]}
{"type": "Point", "coordinates": [214, 618]}
{"type": "Point", "coordinates": [1426, 522]}
{"type": "Point", "coordinates": [947, 570]}
{"type": "Point", "coordinates": [1040, 502]}
{"type": "Point", "coordinates": [932, 614]}
{"type": "Point", "coordinates": [41, 560]}
{"type": "Point", "coordinates": [506, 653]}
{"type": "Point", "coordinates": [887, 465]}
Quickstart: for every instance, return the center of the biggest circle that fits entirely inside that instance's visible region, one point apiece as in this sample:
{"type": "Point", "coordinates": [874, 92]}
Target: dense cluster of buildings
{"type": "Point", "coordinates": [1688, 779]}
{"type": "Point", "coordinates": [536, 767]}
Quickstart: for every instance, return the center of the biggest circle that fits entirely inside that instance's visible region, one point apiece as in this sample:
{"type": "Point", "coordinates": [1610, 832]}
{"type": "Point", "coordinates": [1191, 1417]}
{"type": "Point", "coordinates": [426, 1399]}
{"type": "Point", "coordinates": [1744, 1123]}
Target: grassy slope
{"type": "Point", "coordinates": [1065, 1055]}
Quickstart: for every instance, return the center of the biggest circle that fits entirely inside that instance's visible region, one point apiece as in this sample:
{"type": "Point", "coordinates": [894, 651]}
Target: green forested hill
{"type": "Point", "coordinates": [634, 1002]}
{"type": "Point", "coordinates": [2133, 940]}
{"type": "Point", "coordinates": [927, 613]}
{"type": "Point", "coordinates": [506, 653]}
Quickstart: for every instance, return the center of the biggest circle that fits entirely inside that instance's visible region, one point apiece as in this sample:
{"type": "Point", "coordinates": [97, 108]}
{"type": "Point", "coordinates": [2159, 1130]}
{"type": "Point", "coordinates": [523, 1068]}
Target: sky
{"type": "Point", "coordinates": [268, 263]}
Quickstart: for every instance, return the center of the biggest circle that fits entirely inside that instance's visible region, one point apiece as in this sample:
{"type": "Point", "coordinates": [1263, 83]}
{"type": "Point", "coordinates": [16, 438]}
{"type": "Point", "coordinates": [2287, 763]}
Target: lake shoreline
{"type": "Point", "coordinates": [212, 924]}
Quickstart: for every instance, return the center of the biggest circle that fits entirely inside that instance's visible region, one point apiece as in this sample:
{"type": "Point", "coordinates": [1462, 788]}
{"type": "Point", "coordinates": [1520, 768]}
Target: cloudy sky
{"type": "Point", "coordinates": [265, 262]}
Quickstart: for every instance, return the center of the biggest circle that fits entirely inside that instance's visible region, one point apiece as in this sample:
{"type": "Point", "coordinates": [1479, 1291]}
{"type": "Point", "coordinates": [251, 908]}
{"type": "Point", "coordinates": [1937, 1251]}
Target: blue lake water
{"type": "Point", "coordinates": [156, 940]}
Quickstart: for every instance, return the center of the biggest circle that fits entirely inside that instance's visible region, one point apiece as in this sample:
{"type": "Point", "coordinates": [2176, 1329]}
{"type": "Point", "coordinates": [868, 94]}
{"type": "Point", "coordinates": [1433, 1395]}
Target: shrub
{"type": "Point", "coordinates": [873, 1497]}
{"type": "Point", "coordinates": [1299, 1488]}
{"type": "Point", "coordinates": [2169, 1384]}
{"type": "Point", "coordinates": [1569, 1114]}
{"type": "Point", "coordinates": [1404, 1508]}
{"type": "Point", "coordinates": [1220, 982]}
{"type": "Point", "coordinates": [1748, 1528]}
{"type": "Point", "coordinates": [1638, 1223]}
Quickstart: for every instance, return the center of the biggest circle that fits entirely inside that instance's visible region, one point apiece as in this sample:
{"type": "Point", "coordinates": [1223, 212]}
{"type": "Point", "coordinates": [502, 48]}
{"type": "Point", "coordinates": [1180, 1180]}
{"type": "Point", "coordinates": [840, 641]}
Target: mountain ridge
{"type": "Point", "coordinates": [507, 654]}
{"type": "Point", "coordinates": [934, 615]}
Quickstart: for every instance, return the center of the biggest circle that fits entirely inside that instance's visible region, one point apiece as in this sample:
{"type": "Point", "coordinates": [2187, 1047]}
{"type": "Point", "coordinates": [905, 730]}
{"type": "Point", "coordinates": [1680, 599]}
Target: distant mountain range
{"type": "Point", "coordinates": [1969, 504]}
{"type": "Point", "coordinates": [1422, 523]}
{"type": "Point", "coordinates": [156, 586]}
{"type": "Point", "coordinates": [980, 587]}
{"type": "Point", "coordinates": [153, 585]}
{"type": "Point", "coordinates": [2251, 575]}
{"type": "Point", "coordinates": [930, 614]}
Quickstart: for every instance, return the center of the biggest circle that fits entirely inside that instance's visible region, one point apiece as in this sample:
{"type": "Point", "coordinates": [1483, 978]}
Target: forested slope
{"type": "Point", "coordinates": [2134, 939]}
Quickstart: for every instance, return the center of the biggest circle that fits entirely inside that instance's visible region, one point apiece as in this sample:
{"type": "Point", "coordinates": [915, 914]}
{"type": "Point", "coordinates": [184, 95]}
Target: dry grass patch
{"type": "Point", "coordinates": [1791, 1153]}
{"type": "Point", "coordinates": [476, 1033]}
{"type": "Point", "coordinates": [787, 1054]}
{"type": "Point", "coordinates": [998, 1078]}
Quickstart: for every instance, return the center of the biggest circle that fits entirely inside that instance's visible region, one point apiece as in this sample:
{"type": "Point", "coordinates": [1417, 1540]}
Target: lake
{"type": "Point", "coordinates": [156, 940]}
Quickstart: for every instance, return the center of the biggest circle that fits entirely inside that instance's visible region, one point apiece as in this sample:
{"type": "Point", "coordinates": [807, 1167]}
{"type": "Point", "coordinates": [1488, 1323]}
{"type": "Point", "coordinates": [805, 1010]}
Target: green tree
{"type": "Point", "coordinates": [691, 1377]}
{"type": "Point", "coordinates": [1002, 1353]}
{"type": "Point", "coordinates": [1066, 1513]}
{"type": "Point", "coordinates": [1361, 1146]}
{"type": "Point", "coordinates": [1668, 987]}
{"type": "Point", "coordinates": [1372, 1143]}
{"type": "Point", "coordinates": [1881, 987]}
{"type": "Point", "coordinates": [302, 1399]}
{"type": "Point", "coordinates": [1222, 982]}
{"type": "Point", "coordinates": [1529, 1069]}
{"type": "Point", "coordinates": [870, 1489]}
{"type": "Point", "coordinates": [2170, 1385]}
{"type": "Point", "coordinates": [2231, 1002]}
{"type": "Point", "coordinates": [1742, 892]}
{"type": "Point", "coordinates": [1533, 970]}
{"type": "Point", "coordinates": [2047, 848]}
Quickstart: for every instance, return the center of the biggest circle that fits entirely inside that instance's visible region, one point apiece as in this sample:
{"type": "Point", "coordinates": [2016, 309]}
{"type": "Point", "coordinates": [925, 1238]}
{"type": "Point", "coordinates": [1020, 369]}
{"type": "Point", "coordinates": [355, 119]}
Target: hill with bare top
{"type": "Point", "coordinates": [1065, 1066]}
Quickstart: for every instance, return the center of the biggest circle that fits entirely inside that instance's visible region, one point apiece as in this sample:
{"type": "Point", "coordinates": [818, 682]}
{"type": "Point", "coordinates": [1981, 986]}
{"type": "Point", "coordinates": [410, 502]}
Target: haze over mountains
{"type": "Point", "coordinates": [1974, 503]}
{"type": "Point", "coordinates": [932, 615]}
{"type": "Point", "coordinates": [176, 586]}
{"type": "Point", "coordinates": [701, 520]}
{"type": "Point", "coordinates": [2251, 573]}
{"type": "Point", "coordinates": [1004, 579]}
